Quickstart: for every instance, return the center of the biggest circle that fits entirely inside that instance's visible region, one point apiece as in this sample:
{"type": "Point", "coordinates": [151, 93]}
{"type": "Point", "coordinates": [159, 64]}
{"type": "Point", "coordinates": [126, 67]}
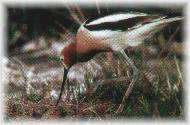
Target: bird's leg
{"type": "Point", "coordinates": [114, 62]}
{"type": "Point", "coordinates": [124, 78]}
{"type": "Point", "coordinates": [134, 78]}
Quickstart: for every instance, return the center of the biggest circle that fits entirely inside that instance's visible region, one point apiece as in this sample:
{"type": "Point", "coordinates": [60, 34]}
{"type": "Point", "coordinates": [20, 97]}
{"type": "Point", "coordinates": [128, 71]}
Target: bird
{"type": "Point", "coordinates": [112, 33]}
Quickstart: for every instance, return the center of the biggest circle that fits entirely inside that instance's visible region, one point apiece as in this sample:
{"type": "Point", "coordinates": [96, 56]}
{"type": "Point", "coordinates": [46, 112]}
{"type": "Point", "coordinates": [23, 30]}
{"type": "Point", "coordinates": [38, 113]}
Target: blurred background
{"type": "Point", "coordinates": [35, 37]}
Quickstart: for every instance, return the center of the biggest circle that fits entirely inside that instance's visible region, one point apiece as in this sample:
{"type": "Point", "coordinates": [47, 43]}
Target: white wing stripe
{"type": "Point", "coordinates": [114, 18]}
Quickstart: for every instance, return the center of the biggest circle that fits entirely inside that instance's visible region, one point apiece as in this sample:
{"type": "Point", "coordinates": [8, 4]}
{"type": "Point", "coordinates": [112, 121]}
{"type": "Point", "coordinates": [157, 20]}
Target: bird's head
{"type": "Point", "coordinates": [68, 58]}
{"type": "Point", "coordinates": [68, 55]}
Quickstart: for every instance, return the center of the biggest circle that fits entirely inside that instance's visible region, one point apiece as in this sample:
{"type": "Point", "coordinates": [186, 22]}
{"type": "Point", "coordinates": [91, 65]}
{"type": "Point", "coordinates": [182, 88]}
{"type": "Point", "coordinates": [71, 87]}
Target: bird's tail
{"type": "Point", "coordinates": [173, 19]}
{"type": "Point", "coordinates": [166, 21]}
{"type": "Point", "coordinates": [137, 35]}
{"type": "Point", "coordinates": [158, 25]}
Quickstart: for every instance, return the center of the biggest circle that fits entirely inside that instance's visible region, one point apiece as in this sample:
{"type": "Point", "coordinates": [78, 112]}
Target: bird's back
{"type": "Point", "coordinates": [124, 29]}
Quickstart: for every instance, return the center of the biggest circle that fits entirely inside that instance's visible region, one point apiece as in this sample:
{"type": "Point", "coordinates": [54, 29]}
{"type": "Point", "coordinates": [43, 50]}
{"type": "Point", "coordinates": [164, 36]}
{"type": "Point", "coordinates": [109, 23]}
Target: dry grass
{"type": "Point", "coordinates": [158, 92]}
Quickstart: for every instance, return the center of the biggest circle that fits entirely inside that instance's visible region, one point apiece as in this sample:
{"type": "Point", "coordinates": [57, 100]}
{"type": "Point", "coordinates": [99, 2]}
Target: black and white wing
{"type": "Point", "coordinates": [128, 29]}
{"type": "Point", "coordinates": [119, 22]}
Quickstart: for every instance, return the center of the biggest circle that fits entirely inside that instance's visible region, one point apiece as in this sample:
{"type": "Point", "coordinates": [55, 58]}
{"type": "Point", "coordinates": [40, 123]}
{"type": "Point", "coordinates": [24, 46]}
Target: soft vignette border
{"type": "Point", "coordinates": [44, 3]}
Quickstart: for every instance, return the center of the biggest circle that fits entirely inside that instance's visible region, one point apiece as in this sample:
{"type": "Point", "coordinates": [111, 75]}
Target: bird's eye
{"type": "Point", "coordinates": [62, 59]}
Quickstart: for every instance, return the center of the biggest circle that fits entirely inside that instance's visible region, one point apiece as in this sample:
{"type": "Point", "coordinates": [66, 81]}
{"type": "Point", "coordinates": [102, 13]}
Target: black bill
{"type": "Point", "coordinates": [62, 85]}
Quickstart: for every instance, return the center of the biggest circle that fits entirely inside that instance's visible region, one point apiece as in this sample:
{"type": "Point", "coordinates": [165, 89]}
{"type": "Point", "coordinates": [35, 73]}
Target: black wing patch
{"type": "Point", "coordinates": [121, 25]}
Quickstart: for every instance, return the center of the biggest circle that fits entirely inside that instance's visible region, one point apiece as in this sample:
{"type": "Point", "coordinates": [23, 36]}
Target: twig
{"type": "Point", "coordinates": [92, 110]}
{"type": "Point", "coordinates": [73, 15]}
{"type": "Point", "coordinates": [167, 77]}
{"type": "Point", "coordinates": [168, 81]}
{"type": "Point", "coordinates": [178, 69]}
{"type": "Point", "coordinates": [168, 44]}
{"type": "Point", "coordinates": [61, 26]}
{"type": "Point", "coordinates": [22, 66]}
{"type": "Point", "coordinates": [81, 14]}
{"type": "Point", "coordinates": [98, 8]}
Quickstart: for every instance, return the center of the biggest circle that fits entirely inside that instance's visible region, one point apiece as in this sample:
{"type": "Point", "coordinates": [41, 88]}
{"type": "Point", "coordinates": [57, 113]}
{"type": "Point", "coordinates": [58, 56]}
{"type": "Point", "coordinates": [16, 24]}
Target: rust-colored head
{"type": "Point", "coordinates": [68, 58]}
{"type": "Point", "coordinates": [68, 55]}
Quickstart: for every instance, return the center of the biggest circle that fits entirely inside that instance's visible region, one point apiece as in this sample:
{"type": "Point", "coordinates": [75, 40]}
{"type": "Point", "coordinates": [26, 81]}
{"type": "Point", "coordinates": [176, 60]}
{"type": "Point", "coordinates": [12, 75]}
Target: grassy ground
{"type": "Point", "coordinates": [158, 92]}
